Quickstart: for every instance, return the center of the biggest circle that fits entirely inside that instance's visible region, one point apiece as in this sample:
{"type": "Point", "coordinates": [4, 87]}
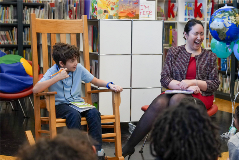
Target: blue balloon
{"type": "Point", "coordinates": [236, 50]}
{"type": "Point", "coordinates": [221, 49]}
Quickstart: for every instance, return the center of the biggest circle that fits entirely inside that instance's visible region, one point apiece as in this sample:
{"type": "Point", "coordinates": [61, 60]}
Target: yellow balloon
{"type": "Point", "coordinates": [27, 66]}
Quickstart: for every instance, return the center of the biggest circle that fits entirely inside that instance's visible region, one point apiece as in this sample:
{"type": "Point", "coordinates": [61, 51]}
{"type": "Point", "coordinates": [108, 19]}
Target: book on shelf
{"type": "Point", "coordinates": [160, 13]}
{"type": "Point", "coordinates": [107, 9]}
{"type": "Point", "coordinates": [209, 8]}
{"type": "Point", "coordinates": [94, 7]}
{"type": "Point", "coordinates": [189, 11]}
{"type": "Point", "coordinates": [223, 64]}
{"type": "Point", "coordinates": [128, 9]}
{"type": "Point", "coordinates": [225, 83]}
{"type": "Point", "coordinates": [95, 68]}
{"type": "Point", "coordinates": [219, 64]}
{"type": "Point", "coordinates": [175, 10]}
{"type": "Point", "coordinates": [93, 38]}
{"type": "Point", "coordinates": [147, 10]}
{"type": "Point", "coordinates": [27, 54]}
{"type": "Point", "coordinates": [90, 35]}
{"type": "Point", "coordinates": [26, 36]}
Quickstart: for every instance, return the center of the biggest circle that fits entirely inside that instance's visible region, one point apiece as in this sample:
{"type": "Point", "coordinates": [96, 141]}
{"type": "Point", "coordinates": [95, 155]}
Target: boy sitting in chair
{"type": "Point", "coordinates": [67, 84]}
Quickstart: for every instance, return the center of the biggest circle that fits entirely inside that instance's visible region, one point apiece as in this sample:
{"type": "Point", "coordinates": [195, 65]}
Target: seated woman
{"type": "Point", "coordinates": [186, 67]}
{"type": "Point", "coordinates": [188, 133]}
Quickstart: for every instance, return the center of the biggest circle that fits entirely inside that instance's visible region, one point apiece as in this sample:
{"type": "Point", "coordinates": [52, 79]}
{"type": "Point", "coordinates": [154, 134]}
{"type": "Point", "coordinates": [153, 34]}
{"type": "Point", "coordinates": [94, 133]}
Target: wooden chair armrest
{"type": "Point", "coordinates": [101, 90]}
{"type": "Point", "coordinates": [45, 93]}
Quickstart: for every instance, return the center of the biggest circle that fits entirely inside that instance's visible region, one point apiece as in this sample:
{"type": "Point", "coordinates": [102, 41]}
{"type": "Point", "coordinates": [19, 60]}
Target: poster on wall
{"type": "Point", "coordinates": [128, 9]}
{"type": "Point", "coordinates": [147, 10]}
{"type": "Point", "coordinates": [108, 9]}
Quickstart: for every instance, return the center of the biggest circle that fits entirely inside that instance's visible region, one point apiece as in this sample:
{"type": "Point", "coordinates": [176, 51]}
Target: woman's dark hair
{"type": "Point", "coordinates": [185, 132]}
{"type": "Point", "coordinates": [74, 145]}
{"type": "Point", "coordinates": [63, 52]}
{"type": "Point", "coordinates": [190, 24]}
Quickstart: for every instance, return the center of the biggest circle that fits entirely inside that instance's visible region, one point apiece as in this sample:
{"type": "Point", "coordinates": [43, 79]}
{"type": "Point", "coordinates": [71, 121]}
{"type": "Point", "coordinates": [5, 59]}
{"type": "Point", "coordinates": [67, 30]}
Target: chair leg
{"type": "Point", "coordinates": [141, 151]}
{"type": "Point", "coordinates": [31, 102]}
{"type": "Point", "coordinates": [11, 105]}
{"type": "Point", "coordinates": [22, 109]}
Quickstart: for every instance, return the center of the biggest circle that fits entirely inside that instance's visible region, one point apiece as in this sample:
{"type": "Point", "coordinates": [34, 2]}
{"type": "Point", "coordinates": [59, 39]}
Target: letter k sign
{"type": "Point", "coordinates": [197, 10]}
{"type": "Point", "coordinates": [170, 9]}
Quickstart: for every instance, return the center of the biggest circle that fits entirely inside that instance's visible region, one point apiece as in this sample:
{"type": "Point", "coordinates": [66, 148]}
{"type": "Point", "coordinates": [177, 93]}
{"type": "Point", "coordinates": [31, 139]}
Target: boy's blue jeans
{"type": "Point", "coordinates": [73, 120]}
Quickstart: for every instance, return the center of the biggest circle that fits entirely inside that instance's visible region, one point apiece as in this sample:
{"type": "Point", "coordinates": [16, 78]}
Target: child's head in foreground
{"type": "Point", "coordinates": [70, 145]}
{"type": "Point", "coordinates": [185, 132]}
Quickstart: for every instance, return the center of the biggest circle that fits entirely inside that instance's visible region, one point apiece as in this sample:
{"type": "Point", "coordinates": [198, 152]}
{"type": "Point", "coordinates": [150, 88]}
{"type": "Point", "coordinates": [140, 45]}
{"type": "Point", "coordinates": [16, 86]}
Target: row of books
{"type": "Point", "coordinates": [9, 51]}
{"type": "Point", "coordinates": [27, 54]}
{"type": "Point", "coordinates": [42, 1]}
{"type": "Point", "coordinates": [94, 68]}
{"type": "Point", "coordinates": [224, 64]}
{"type": "Point", "coordinates": [93, 38]}
{"type": "Point", "coordinates": [97, 9]}
{"type": "Point", "coordinates": [170, 35]}
{"type": "Point", "coordinates": [37, 1]}
{"type": "Point", "coordinates": [8, 37]}
{"type": "Point", "coordinates": [208, 39]}
{"type": "Point", "coordinates": [8, 14]}
{"type": "Point", "coordinates": [224, 1]}
{"type": "Point", "coordinates": [209, 10]}
{"type": "Point", "coordinates": [225, 83]}
{"type": "Point", "coordinates": [27, 36]}
{"type": "Point", "coordinates": [27, 13]}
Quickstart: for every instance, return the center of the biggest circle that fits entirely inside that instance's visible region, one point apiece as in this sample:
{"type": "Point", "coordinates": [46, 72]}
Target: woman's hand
{"type": "Point", "coordinates": [184, 84]}
{"type": "Point", "coordinates": [195, 89]}
{"type": "Point", "coordinates": [115, 88]}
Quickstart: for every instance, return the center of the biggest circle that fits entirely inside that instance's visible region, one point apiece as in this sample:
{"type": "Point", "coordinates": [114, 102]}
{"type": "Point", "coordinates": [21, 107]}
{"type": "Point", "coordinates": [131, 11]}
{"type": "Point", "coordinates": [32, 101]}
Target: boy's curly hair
{"type": "Point", "coordinates": [63, 52]}
{"type": "Point", "coordinates": [185, 132]}
{"type": "Point", "coordinates": [71, 145]}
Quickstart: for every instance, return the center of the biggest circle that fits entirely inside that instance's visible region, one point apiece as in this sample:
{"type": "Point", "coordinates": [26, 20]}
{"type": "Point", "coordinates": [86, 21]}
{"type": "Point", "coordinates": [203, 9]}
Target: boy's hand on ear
{"type": "Point", "coordinates": [63, 74]}
{"type": "Point", "coordinates": [115, 88]}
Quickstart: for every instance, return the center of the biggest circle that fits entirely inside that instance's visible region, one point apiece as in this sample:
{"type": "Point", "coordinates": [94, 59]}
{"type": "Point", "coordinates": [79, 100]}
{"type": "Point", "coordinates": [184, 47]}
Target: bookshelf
{"type": "Point", "coordinates": [18, 6]}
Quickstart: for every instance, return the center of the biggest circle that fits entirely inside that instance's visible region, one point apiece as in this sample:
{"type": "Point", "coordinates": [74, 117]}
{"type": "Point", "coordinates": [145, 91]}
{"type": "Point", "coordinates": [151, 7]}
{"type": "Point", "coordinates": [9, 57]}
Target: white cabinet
{"type": "Point", "coordinates": [130, 55]}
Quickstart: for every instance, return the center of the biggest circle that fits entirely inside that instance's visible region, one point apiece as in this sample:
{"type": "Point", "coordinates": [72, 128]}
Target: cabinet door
{"type": "Point", "coordinates": [146, 70]}
{"type": "Point", "coordinates": [141, 97]}
{"type": "Point", "coordinates": [147, 37]}
{"type": "Point", "coordinates": [105, 104]}
{"type": "Point", "coordinates": [115, 68]}
{"type": "Point", "coordinates": [115, 37]}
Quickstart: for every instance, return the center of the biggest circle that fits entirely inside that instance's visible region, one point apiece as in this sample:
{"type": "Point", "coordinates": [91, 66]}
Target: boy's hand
{"type": "Point", "coordinates": [63, 74]}
{"type": "Point", "coordinates": [115, 88]}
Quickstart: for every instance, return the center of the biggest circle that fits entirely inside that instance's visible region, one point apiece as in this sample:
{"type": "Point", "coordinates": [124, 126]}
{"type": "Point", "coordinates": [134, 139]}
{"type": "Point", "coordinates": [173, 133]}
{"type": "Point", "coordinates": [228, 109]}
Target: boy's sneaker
{"type": "Point", "coordinates": [101, 155]}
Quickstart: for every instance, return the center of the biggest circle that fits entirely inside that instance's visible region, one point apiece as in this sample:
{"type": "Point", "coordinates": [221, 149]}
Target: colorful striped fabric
{"type": "Point", "coordinates": [15, 73]}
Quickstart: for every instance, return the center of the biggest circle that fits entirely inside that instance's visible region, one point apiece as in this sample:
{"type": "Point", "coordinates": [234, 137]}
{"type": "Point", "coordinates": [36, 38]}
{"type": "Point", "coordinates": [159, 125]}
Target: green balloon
{"type": "Point", "coordinates": [221, 49]}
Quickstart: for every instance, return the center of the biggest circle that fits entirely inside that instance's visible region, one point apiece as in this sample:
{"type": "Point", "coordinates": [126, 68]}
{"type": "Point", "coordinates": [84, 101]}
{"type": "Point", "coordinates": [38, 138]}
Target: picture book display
{"type": "Point", "coordinates": [128, 9]}
{"type": "Point", "coordinates": [147, 10]}
{"type": "Point", "coordinates": [107, 9]}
